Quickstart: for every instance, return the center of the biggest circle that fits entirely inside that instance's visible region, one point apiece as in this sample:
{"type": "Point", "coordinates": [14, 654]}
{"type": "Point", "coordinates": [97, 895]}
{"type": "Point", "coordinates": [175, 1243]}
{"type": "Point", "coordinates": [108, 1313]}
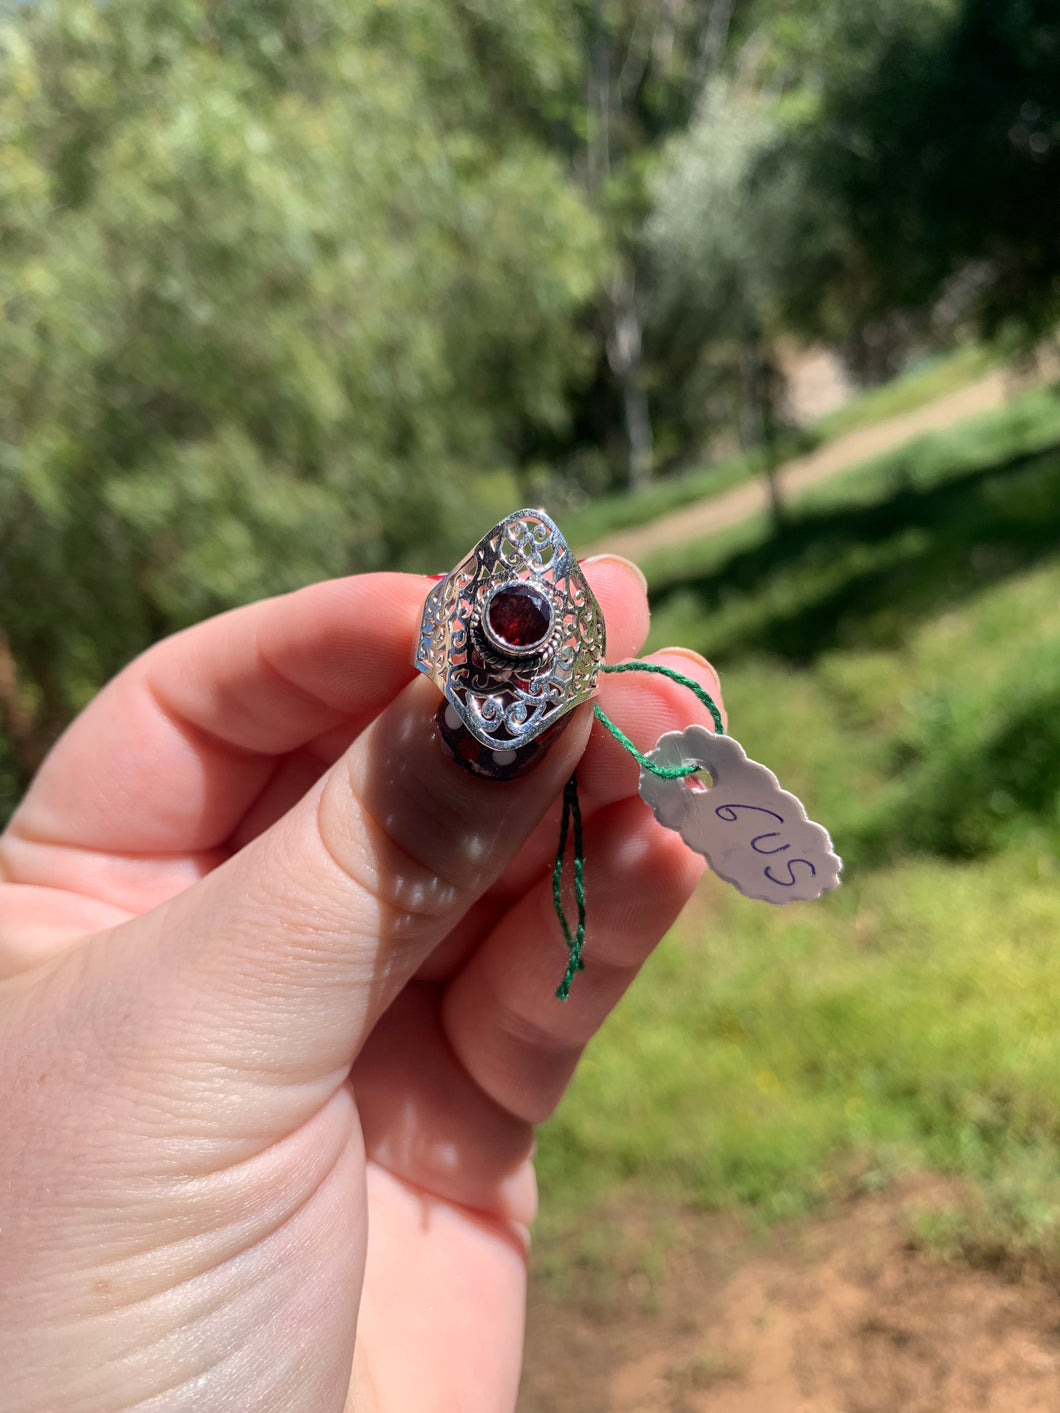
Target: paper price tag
{"type": "Point", "coordinates": [752, 833]}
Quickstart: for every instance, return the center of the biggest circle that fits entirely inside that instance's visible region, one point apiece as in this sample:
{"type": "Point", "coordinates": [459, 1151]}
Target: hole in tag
{"type": "Point", "coordinates": [700, 782]}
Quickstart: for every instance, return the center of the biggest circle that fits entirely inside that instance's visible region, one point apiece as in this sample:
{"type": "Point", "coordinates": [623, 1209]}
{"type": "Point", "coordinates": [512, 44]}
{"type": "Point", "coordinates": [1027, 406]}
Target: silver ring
{"type": "Point", "coordinates": [513, 635]}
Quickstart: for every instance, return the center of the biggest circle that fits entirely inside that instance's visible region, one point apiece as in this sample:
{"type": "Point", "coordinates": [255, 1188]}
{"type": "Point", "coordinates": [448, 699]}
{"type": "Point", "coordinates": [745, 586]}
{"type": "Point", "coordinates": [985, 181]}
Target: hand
{"type": "Point", "coordinates": [277, 1017]}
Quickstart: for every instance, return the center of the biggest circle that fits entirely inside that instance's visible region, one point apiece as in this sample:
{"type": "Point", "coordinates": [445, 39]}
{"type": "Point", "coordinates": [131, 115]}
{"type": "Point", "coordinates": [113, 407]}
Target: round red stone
{"type": "Point", "coordinates": [519, 616]}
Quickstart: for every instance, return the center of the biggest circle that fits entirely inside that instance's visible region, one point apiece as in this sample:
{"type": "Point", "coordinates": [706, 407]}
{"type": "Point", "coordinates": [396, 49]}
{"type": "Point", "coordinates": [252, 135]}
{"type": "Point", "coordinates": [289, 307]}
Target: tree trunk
{"type": "Point", "coordinates": [777, 510]}
{"type": "Point", "coordinates": [758, 422]}
{"type": "Point", "coordinates": [624, 333]}
{"type": "Point", "coordinates": [624, 356]}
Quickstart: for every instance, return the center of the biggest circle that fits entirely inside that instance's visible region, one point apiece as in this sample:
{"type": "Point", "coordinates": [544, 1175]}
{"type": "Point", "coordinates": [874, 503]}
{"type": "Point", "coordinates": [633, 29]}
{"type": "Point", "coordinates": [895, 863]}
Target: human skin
{"type": "Point", "coordinates": [277, 1016]}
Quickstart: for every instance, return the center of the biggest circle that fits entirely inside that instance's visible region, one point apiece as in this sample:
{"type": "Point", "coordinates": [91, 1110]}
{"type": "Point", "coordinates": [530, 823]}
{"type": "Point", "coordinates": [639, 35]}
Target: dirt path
{"type": "Point", "coordinates": [842, 1315]}
{"type": "Point", "coordinates": [695, 522]}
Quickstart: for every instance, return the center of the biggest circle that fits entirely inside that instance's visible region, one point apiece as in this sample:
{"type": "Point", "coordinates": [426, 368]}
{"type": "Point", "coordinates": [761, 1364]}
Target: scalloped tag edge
{"type": "Point", "coordinates": [755, 835]}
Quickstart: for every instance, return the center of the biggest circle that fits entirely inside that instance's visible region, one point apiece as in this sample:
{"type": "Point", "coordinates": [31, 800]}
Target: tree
{"type": "Point", "coordinates": [280, 282]}
{"type": "Point", "coordinates": [646, 62]}
{"type": "Point", "coordinates": [718, 241]}
{"type": "Point", "coordinates": [929, 134]}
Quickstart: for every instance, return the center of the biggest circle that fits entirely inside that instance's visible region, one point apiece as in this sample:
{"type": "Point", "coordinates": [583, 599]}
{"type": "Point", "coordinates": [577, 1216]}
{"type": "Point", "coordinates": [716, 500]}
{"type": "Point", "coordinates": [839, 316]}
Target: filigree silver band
{"type": "Point", "coordinates": [508, 698]}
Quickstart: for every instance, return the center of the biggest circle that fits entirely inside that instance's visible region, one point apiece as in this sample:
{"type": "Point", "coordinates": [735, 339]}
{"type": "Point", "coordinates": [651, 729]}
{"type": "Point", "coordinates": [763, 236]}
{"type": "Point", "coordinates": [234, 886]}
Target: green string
{"type": "Point", "coordinates": [571, 823]}
{"type": "Point", "coordinates": [693, 686]}
{"type": "Point", "coordinates": [572, 814]}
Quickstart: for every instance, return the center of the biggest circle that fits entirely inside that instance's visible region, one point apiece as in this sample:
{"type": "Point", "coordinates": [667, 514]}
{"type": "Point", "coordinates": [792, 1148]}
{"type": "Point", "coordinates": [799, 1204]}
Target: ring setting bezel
{"type": "Point", "coordinates": [508, 692]}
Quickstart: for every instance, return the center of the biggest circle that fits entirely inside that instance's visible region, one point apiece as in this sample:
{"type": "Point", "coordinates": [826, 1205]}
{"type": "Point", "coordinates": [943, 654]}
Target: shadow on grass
{"type": "Point", "coordinates": [861, 575]}
{"type": "Point", "coordinates": [977, 787]}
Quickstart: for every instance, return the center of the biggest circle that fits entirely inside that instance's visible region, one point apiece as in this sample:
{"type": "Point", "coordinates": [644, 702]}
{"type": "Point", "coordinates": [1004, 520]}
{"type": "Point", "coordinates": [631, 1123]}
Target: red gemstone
{"type": "Point", "coordinates": [518, 616]}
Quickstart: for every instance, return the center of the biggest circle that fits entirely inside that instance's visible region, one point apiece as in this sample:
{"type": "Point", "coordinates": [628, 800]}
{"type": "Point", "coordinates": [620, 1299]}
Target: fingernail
{"type": "Point", "coordinates": [619, 559]}
{"type": "Point", "coordinates": [484, 761]}
{"type": "Point", "coordinates": [692, 656]}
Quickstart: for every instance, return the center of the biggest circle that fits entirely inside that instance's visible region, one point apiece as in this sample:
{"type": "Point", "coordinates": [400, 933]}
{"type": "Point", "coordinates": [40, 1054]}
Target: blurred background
{"type": "Point", "coordinates": [763, 293]}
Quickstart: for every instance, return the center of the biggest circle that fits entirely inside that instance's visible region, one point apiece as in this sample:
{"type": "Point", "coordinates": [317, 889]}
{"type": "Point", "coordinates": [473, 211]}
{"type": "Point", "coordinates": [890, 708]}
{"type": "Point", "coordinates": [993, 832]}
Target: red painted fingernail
{"type": "Point", "coordinates": [485, 761]}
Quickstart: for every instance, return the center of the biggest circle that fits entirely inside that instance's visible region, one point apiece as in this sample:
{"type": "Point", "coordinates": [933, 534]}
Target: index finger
{"type": "Point", "coordinates": [172, 753]}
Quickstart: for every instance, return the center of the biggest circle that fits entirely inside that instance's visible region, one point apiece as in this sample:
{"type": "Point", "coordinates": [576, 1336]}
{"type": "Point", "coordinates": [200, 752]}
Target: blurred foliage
{"type": "Point", "coordinates": [645, 67]}
{"type": "Point", "coordinates": [718, 239]}
{"type": "Point", "coordinates": [277, 281]}
{"type": "Point", "coordinates": [877, 174]}
{"type": "Point", "coordinates": [289, 290]}
{"type": "Point", "coordinates": [933, 139]}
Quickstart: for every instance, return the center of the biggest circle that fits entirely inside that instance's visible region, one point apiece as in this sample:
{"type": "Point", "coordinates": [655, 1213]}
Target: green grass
{"type": "Point", "coordinates": [880, 500]}
{"type": "Point", "coordinates": [925, 381]}
{"type": "Point", "coordinates": [619, 511]}
{"type": "Point", "coordinates": [895, 658]}
{"type": "Point", "coordinates": [929, 380]}
{"type": "Point", "coordinates": [765, 1056]}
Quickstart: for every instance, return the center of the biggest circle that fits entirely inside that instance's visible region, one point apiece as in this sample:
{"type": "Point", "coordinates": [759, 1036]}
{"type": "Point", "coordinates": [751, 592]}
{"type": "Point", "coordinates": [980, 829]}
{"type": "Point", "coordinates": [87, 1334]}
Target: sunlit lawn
{"type": "Point", "coordinates": [899, 666]}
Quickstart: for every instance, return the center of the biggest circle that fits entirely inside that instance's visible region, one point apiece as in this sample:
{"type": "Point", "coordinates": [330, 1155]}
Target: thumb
{"type": "Point", "coordinates": [278, 963]}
